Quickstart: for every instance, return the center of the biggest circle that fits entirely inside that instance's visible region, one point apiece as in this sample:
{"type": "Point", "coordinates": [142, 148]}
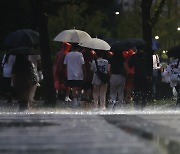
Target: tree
{"type": "Point", "coordinates": [148, 22]}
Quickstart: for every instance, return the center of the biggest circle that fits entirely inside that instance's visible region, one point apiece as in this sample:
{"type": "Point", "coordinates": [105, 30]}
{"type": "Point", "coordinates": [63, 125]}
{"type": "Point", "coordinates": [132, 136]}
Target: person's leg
{"type": "Point", "coordinates": [178, 95]}
{"type": "Point", "coordinates": [32, 94]}
{"type": "Point", "coordinates": [129, 88]}
{"type": "Point", "coordinates": [75, 95]}
{"type": "Point", "coordinates": [121, 91]}
{"type": "Point", "coordinates": [96, 95]}
{"type": "Point", "coordinates": [67, 98]}
{"type": "Point", "coordinates": [113, 90]}
{"type": "Point", "coordinates": [103, 90]}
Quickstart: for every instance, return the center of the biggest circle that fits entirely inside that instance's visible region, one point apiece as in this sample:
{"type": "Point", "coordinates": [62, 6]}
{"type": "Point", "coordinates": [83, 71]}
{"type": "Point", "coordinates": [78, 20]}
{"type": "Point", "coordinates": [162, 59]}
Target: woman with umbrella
{"type": "Point", "coordinates": [24, 77]}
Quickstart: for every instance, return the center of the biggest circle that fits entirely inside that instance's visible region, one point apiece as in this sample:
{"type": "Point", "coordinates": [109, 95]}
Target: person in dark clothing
{"type": "Point", "coordinates": [117, 81]}
{"type": "Point", "coordinates": [23, 78]}
{"type": "Point", "coordinates": [142, 64]}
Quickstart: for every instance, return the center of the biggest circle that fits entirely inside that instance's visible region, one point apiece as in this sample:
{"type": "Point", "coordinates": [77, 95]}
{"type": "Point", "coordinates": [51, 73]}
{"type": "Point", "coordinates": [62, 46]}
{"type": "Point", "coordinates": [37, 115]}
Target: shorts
{"type": "Point", "coordinates": [87, 85]}
{"type": "Point", "coordinates": [74, 83]}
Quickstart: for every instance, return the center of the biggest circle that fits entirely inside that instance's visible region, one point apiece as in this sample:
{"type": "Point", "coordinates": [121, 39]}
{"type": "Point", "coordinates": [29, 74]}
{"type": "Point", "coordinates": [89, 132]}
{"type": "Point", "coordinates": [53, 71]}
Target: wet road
{"type": "Point", "coordinates": [77, 132]}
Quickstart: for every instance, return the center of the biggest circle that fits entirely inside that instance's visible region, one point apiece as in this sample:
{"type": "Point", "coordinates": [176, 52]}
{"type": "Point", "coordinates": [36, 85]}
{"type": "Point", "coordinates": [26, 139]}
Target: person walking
{"type": "Point", "coordinates": [23, 78]}
{"type": "Point", "coordinates": [60, 72]}
{"type": "Point", "coordinates": [142, 64]}
{"type": "Point", "coordinates": [99, 88]}
{"type": "Point", "coordinates": [74, 61]}
{"type": "Point", "coordinates": [129, 84]}
{"type": "Point", "coordinates": [155, 74]}
{"type": "Point", "coordinates": [87, 85]}
{"type": "Point", "coordinates": [36, 62]}
{"type": "Point", "coordinates": [173, 69]}
{"type": "Point", "coordinates": [7, 64]}
{"type": "Point", "coordinates": [117, 81]}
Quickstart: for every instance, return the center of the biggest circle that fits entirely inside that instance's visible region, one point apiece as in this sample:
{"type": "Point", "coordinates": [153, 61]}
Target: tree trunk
{"type": "Point", "coordinates": [49, 91]}
{"type": "Point", "coordinates": [146, 24]}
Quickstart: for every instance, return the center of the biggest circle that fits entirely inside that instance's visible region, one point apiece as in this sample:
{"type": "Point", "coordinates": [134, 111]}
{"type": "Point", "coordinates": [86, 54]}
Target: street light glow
{"type": "Point", "coordinates": [117, 13]}
{"type": "Point", "coordinates": [178, 28]}
{"type": "Point", "coordinates": [156, 37]}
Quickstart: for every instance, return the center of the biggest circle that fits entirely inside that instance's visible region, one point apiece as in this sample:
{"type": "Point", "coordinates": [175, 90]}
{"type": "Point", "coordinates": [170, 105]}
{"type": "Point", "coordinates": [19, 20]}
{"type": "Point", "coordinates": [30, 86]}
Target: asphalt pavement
{"type": "Point", "coordinates": [63, 130]}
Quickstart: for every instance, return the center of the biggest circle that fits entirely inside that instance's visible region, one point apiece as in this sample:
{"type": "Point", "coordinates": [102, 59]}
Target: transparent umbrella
{"type": "Point", "coordinates": [95, 43]}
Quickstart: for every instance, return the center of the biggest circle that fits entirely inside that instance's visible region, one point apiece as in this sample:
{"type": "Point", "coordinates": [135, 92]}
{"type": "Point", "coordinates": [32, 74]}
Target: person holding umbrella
{"type": "Point", "coordinates": [173, 68]}
{"type": "Point", "coordinates": [74, 61]}
{"type": "Point", "coordinates": [23, 79]}
{"type": "Point", "coordinates": [98, 66]}
{"type": "Point", "coordinates": [142, 64]}
{"type": "Point", "coordinates": [99, 87]}
{"type": "Point", "coordinates": [117, 81]}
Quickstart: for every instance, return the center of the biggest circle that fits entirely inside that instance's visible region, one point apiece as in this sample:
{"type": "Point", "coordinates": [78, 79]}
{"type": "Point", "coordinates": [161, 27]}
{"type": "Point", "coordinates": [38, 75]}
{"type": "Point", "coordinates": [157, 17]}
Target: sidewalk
{"type": "Point", "coordinates": [65, 107]}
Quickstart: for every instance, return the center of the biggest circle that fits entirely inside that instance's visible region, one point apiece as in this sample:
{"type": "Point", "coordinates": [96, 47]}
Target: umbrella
{"type": "Point", "coordinates": [72, 35]}
{"type": "Point", "coordinates": [127, 44]}
{"type": "Point", "coordinates": [21, 38]}
{"type": "Point", "coordinates": [95, 43]}
{"type": "Point", "coordinates": [23, 51]}
{"type": "Point", "coordinates": [120, 46]}
{"type": "Point", "coordinates": [174, 51]}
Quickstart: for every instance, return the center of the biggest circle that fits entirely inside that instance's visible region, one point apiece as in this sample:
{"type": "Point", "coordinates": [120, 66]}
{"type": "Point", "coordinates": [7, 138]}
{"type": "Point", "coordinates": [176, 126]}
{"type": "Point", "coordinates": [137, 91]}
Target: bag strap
{"type": "Point", "coordinates": [96, 65]}
{"type": "Point", "coordinates": [157, 59]}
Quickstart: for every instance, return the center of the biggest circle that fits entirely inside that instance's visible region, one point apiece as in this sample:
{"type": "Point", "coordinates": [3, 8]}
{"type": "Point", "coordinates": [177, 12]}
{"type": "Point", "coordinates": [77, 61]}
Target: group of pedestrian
{"type": "Point", "coordinates": [129, 72]}
{"type": "Point", "coordinates": [78, 73]}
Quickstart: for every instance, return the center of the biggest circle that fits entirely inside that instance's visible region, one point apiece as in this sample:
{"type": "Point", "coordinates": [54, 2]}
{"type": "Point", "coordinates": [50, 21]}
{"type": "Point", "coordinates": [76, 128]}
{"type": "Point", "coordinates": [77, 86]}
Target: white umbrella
{"type": "Point", "coordinates": [95, 43]}
{"type": "Point", "coordinates": [72, 35]}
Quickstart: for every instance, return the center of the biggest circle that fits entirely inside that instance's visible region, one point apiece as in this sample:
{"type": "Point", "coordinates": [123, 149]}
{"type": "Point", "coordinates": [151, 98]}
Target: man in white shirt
{"type": "Point", "coordinates": [156, 70]}
{"type": "Point", "coordinates": [74, 61]}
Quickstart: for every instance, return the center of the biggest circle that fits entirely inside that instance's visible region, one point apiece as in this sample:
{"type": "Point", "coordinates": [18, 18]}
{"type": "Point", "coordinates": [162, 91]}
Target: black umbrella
{"type": "Point", "coordinates": [127, 44]}
{"type": "Point", "coordinates": [174, 51]}
{"type": "Point", "coordinates": [137, 42]}
{"type": "Point", "coordinates": [21, 38]}
{"type": "Point", "coordinates": [24, 51]}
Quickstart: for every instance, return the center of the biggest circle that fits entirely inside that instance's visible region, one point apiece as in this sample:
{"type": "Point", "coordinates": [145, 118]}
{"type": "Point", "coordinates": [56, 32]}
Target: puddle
{"type": "Point", "coordinates": [25, 124]}
{"type": "Point", "coordinates": [166, 145]}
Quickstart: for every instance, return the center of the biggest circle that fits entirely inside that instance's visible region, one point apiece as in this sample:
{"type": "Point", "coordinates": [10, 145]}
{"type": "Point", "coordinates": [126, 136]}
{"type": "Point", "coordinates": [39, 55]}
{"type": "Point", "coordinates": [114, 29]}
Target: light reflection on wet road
{"type": "Point", "coordinates": [80, 132]}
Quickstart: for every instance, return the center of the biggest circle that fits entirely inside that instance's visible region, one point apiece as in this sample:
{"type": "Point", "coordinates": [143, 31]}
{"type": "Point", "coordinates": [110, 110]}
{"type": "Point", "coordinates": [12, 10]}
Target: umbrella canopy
{"type": "Point", "coordinates": [127, 44]}
{"type": "Point", "coordinates": [95, 43]}
{"type": "Point", "coordinates": [23, 51]}
{"type": "Point", "coordinates": [72, 36]}
{"type": "Point", "coordinates": [174, 51]}
{"type": "Point", "coordinates": [21, 38]}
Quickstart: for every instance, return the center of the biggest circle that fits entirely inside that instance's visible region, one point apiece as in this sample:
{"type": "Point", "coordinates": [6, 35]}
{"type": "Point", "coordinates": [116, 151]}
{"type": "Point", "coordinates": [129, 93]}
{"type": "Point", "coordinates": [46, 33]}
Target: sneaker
{"type": "Point", "coordinates": [112, 103]}
{"type": "Point", "coordinates": [67, 99]}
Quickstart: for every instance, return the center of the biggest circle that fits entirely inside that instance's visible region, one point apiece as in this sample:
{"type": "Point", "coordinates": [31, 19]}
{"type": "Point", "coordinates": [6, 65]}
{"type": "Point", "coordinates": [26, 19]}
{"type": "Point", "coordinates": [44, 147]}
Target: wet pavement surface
{"type": "Point", "coordinates": [73, 131]}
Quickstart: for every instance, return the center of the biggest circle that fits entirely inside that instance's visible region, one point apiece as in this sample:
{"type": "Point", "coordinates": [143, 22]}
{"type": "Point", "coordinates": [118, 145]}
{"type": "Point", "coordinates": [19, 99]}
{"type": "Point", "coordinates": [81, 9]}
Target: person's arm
{"type": "Point", "coordinates": [109, 69]}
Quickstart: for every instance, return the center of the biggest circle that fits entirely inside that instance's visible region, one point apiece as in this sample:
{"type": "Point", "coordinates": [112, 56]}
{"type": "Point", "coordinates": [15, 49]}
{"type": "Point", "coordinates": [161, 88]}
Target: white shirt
{"type": "Point", "coordinates": [7, 68]}
{"type": "Point", "coordinates": [156, 62]}
{"type": "Point", "coordinates": [74, 61]}
{"type": "Point", "coordinates": [171, 68]}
